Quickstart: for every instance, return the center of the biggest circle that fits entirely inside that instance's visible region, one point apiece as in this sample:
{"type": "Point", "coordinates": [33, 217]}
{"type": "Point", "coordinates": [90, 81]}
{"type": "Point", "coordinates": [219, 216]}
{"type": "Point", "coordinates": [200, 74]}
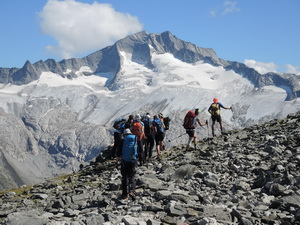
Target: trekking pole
{"type": "Point", "coordinates": [176, 137]}
{"type": "Point", "coordinates": [207, 133]}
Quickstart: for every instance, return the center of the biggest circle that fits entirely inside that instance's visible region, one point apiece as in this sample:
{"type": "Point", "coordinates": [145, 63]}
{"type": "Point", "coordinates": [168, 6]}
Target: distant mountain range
{"type": "Point", "coordinates": [55, 115]}
{"type": "Point", "coordinates": [141, 46]}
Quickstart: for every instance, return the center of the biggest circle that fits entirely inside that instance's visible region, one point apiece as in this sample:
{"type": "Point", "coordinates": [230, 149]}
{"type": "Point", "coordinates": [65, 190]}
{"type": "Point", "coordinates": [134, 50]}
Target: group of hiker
{"type": "Point", "coordinates": [134, 140]}
{"type": "Point", "coordinates": [148, 132]}
{"type": "Point", "coordinates": [191, 120]}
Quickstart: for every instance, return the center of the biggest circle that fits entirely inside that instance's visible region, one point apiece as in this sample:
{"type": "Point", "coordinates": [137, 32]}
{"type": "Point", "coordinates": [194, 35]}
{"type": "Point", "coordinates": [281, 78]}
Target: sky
{"type": "Point", "coordinates": [264, 35]}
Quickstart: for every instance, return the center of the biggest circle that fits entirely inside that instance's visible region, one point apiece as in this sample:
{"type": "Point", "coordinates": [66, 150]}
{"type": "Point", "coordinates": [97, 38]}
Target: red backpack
{"type": "Point", "coordinates": [189, 119]}
{"type": "Point", "coordinates": [137, 130]}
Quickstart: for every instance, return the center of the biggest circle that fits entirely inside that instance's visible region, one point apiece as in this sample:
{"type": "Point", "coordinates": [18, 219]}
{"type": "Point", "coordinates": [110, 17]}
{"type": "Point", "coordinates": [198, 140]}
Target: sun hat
{"type": "Point", "coordinates": [127, 131]}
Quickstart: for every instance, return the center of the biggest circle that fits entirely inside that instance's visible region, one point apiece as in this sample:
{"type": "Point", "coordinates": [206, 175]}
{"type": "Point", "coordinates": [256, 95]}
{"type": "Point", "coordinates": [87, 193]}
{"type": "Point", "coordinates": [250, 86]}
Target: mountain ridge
{"type": "Point", "coordinates": [100, 61]}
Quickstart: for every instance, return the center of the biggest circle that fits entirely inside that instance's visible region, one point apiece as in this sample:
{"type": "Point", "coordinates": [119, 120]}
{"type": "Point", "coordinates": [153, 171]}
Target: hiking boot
{"type": "Point", "coordinates": [133, 195]}
{"type": "Point", "coordinates": [190, 148]}
{"type": "Point", "coordinates": [124, 197]}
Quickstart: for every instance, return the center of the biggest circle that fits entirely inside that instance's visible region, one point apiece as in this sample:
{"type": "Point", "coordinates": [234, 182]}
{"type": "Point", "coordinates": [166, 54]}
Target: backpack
{"type": "Point", "coordinates": [215, 109]}
{"type": "Point", "coordinates": [159, 125]}
{"type": "Point", "coordinates": [129, 148]}
{"type": "Point", "coordinates": [147, 126]}
{"type": "Point", "coordinates": [167, 122]}
{"type": "Point", "coordinates": [119, 123]}
{"type": "Point", "coordinates": [189, 120]}
{"type": "Point", "coordinates": [137, 130]}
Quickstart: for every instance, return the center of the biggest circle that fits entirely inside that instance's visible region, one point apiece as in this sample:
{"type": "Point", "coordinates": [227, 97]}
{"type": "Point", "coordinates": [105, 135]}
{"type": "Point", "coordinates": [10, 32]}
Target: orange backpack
{"type": "Point", "coordinates": [138, 130]}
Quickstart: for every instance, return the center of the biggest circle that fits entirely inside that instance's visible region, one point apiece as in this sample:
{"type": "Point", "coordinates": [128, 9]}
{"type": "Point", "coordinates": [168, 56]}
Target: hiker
{"type": "Point", "coordinates": [167, 121]}
{"type": "Point", "coordinates": [190, 123]}
{"type": "Point", "coordinates": [159, 129]}
{"type": "Point", "coordinates": [149, 136]}
{"type": "Point", "coordinates": [214, 110]}
{"type": "Point", "coordinates": [118, 135]}
{"type": "Point", "coordinates": [127, 155]}
{"type": "Point", "coordinates": [137, 129]}
{"type": "Point", "coordinates": [129, 122]}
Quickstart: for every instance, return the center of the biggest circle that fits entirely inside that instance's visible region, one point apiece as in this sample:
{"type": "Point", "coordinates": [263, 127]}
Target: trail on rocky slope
{"type": "Point", "coordinates": [248, 176]}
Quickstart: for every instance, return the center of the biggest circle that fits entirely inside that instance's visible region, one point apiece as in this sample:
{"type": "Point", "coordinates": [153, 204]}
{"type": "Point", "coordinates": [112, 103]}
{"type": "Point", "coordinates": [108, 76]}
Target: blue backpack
{"type": "Point", "coordinates": [129, 148]}
{"type": "Point", "coordinates": [119, 124]}
{"type": "Point", "coordinates": [159, 126]}
{"type": "Point", "coordinates": [147, 126]}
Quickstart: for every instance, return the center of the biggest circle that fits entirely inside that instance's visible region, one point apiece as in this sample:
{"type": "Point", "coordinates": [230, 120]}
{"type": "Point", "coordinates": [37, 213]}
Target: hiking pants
{"type": "Point", "coordinates": [128, 177]}
{"type": "Point", "coordinates": [149, 145]}
{"type": "Point", "coordinates": [117, 143]}
{"type": "Point", "coordinates": [141, 154]}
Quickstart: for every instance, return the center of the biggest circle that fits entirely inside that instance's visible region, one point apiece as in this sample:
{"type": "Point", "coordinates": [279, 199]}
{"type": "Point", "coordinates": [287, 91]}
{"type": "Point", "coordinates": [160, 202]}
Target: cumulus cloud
{"type": "Point", "coordinates": [261, 67]}
{"type": "Point", "coordinates": [227, 7]}
{"type": "Point", "coordinates": [292, 69]}
{"type": "Point", "coordinates": [80, 27]}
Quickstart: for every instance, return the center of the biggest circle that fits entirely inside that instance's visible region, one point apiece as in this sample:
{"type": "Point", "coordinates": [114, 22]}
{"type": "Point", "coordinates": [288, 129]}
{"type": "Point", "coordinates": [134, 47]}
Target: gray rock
{"type": "Point", "coordinates": [211, 179]}
{"type": "Point", "coordinates": [32, 217]}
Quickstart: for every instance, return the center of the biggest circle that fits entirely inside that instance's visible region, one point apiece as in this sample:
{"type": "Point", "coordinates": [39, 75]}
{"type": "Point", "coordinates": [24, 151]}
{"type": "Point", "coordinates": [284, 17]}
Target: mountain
{"type": "Point", "coordinates": [56, 115]}
{"type": "Point", "coordinates": [249, 176]}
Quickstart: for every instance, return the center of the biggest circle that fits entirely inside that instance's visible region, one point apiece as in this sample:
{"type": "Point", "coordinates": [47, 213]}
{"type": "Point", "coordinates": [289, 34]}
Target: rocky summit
{"type": "Point", "coordinates": [248, 176]}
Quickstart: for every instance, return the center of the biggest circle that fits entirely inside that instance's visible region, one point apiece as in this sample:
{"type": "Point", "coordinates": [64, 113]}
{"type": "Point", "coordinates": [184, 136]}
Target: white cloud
{"type": "Point", "coordinates": [80, 27]}
{"type": "Point", "coordinates": [261, 67]}
{"type": "Point", "coordinates": [292, 69]}
{"type": "Point", "coordinates": [228, 7]}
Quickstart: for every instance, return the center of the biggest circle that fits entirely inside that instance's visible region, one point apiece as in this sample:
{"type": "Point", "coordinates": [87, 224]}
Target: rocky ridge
{"type": "Point", "coordinates": [248, 176]}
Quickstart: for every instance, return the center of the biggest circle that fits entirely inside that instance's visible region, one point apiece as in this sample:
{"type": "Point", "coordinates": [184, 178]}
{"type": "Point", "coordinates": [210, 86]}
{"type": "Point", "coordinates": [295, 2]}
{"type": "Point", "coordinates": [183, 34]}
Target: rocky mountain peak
{"type": "Point", "coordinates": [140, 47]}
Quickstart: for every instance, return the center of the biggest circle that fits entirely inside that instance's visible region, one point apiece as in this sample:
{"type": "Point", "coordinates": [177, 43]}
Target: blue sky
{"type": "Point", "coordinates": [264, 34]}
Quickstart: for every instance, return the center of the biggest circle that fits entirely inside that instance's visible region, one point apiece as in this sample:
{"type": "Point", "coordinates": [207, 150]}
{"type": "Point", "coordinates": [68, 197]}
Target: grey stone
{"type": "Point", "coordinates": [177, 210]}
{"type": "Point", "coordinates": [292, 200]}
{"type": "Point", "coordinates": [27, 217]}
{"type": "Point", "coordinates": [94, 220]}
{"type": "Point", "coordinates": [184, 171]}
{"type": "Point", "coordinates": [153, 222]}
{"type": "Point", "coordinates": [211, 179]}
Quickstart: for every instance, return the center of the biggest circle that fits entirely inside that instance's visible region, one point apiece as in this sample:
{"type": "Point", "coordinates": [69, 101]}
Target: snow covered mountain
{"type": "Point", "coordinates": [56, 115]}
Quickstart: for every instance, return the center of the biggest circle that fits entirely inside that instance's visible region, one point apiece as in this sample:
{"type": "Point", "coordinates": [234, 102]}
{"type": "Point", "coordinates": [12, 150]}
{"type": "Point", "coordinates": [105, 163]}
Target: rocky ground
{"type": "Point", "coordinates": [249, 176]}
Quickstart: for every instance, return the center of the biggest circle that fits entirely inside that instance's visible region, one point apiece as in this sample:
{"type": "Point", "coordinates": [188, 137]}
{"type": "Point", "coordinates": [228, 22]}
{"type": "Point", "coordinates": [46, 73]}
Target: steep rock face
{"type": "Point", "coordinates": [45, 141]}
{"type": "Point", "coordinates": [25, 75]}
{"type": "Point", "coordinates": [185, 51]}
{"type": "Point", "coordinates": [289, 82]}
{"type": "Point", "coordinates": [16, 143]}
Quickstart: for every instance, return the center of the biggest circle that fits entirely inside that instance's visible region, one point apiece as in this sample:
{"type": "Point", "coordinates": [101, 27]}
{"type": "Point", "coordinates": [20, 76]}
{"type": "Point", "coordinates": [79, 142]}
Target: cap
{"type": "Point", "coordinates": [127, 131]}
{"type": "Point", "coordinates": [215, 100]}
